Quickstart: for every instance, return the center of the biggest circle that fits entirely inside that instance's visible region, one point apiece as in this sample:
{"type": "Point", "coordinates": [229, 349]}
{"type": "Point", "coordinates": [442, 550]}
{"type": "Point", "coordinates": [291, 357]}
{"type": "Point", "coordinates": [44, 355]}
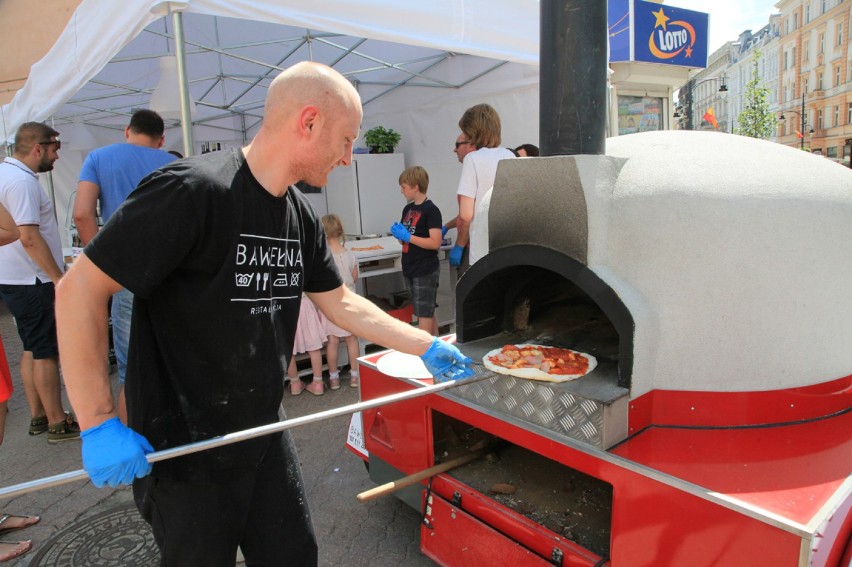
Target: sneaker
{"type": "Point", "coordinates": [66, 430]}
{"type": "Point", "coordinates": [317, 388]}
{"type": "Point", "coordinates": [38, 425]}
{"type": "Point", "coordinates": [296, 386]}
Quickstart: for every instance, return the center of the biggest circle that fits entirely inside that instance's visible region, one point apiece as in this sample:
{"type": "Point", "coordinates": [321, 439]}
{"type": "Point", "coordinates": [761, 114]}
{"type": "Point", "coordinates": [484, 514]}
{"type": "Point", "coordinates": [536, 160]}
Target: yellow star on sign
{"type": "Point", "coordinates": [661, 19]}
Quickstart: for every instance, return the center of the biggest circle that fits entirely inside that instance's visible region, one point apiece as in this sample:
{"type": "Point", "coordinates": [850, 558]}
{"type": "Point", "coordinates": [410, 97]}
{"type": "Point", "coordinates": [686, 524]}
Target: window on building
{"type": "Point", "coordinates": [836, 121]}
{"type": "Point", "coordinates": [795, 21]}
{"type": "Point", "coordinates": [807, 14]}
{"type": "Point", "coordinates": [822, 43]}
{"type": "Point", "coordinates": [805, 86]}
{"type": "Point", "coordinates": [793, 57]}
{"type": "Point", "coordinates": [831, 151]}
{"type": "Point", "coordinates": [785, 60]}
{"type": "Point", "coordinates": [806, 51]}
{"type": "Point", "coordinates": [824, 6]}
{"type": "Point", "coordinates": [840, 33]}
{"type": "Point", "coordinates": [849, 113]}
{"type": "Point", "coordinates": [837, 75]}
{"type": "Point", "coordinates": [819, 120]}
{"type": "Point", "coordinates": [819, 82]}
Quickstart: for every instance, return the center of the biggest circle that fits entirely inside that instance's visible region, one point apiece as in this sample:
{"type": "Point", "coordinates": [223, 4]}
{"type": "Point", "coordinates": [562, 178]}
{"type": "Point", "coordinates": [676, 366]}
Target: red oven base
{"type": "Point", "coordinates": [681, 496]}
{"type": "Point", "coordinates": [451, 536]}
{"type": "Point", "coordinates": [460, 523]}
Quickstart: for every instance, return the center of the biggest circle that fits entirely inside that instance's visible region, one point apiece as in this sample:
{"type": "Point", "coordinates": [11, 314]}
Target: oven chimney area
{"type": "Point", "coordinates": [573, 72]}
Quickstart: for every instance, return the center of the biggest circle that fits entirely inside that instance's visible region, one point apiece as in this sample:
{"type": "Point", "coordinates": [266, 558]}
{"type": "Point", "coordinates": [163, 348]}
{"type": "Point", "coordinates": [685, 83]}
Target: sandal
{"type": "Point", "coordinates": [334, 383]}
{"type": "Point", "coordinates": [316, 388]}
{"type": "Point", "coordinates": [353, 381]}
{"type": "Point", "coordinates": [20, 548]}
{"type": "Point", "coordinates": [6, 529]}
{"type": "Point", "coordinates": [66, 430]}
{"type": "Point", "coordinates": [38, 425]}
{"type": "Point", "coordinates": [296, 386]}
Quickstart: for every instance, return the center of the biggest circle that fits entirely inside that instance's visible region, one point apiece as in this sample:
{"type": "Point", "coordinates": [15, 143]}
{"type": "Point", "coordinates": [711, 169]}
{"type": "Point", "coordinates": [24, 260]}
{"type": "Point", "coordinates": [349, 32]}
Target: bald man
{"type": "Point", "coordinates": [218, 275]}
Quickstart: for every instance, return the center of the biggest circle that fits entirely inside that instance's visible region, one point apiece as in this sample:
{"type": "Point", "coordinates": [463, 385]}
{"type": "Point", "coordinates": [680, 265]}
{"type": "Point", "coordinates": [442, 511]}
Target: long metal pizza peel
{"type": "Point", "coordinates": [80, 474]}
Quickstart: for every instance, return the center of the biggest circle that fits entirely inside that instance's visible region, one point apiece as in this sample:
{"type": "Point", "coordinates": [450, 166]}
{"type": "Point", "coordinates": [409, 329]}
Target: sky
{"type": "Point", "coordinates": [729, 18]}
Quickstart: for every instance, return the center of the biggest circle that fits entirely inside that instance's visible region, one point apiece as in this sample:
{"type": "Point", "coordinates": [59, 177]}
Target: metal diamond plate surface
{"type": "Point", "coordinates": [541, 403]}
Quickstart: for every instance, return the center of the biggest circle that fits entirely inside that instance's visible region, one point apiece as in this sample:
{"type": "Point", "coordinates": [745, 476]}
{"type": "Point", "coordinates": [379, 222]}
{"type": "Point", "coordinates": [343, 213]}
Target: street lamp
{"type": "Point", "coordinates": [802, 116]}
{"type": "Point", "coordinates": [689, 98]}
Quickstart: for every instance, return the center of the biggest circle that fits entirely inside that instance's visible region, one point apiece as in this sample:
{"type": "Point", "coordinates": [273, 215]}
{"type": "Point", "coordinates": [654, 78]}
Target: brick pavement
{"type": "Point", "coordinates": [384, 532]}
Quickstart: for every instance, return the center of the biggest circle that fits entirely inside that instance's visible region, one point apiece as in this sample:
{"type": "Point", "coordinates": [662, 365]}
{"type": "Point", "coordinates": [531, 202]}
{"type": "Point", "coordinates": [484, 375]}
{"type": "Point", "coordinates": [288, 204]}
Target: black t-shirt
{"type": "Point", "coordinates": [217, 266]}
{"type": "Point", "coordinates": [418, 219]}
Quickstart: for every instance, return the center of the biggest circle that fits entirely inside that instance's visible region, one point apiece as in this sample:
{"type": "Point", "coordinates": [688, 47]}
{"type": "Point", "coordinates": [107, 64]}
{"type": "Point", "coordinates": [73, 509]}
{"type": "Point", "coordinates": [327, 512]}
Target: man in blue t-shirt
{"type": "Point", "coordinates": [109, 175]}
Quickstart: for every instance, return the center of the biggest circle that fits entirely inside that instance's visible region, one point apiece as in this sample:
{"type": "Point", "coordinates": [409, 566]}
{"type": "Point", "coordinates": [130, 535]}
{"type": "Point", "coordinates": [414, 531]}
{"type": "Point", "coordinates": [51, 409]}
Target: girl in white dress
{"type": "Point", "coordinates": [347, 265]}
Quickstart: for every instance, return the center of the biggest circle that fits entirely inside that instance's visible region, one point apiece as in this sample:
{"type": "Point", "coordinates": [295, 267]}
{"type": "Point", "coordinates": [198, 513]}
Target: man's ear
{"type": "Point", "coordinates": [127, 132]}
{"type": "Point", "coordinates": [162, 141]}
{"type": "Point", "coordinates": [308, 118]}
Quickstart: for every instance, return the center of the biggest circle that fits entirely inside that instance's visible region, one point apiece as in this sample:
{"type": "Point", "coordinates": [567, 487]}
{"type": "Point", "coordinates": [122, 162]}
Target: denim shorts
{"type": "Point", "coordinates": [121, 313]}
{"type": "Point", "coordinates": [424, 292]}
{"type": "Point", "coordinates": [32, 306]}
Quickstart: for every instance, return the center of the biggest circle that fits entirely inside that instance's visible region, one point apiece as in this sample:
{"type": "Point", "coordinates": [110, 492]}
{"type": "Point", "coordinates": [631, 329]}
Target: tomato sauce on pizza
{"type": "Point", "coordinates": [539, 362]}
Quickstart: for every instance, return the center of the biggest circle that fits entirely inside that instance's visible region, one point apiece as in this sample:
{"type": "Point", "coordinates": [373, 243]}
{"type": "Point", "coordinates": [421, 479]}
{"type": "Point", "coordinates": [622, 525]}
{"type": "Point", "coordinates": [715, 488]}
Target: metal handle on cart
{"type": "Point", "coordinates": [80, 474]}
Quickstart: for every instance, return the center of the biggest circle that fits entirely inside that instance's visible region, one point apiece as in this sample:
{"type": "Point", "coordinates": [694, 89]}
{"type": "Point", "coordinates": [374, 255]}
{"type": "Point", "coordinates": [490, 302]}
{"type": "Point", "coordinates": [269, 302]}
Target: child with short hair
{"type": "Point", "coordinates": [347, 265]}
{"type": "Point", "coordinates": [420, 234]}
{"type": "Point", "coordinates": [310, 336]}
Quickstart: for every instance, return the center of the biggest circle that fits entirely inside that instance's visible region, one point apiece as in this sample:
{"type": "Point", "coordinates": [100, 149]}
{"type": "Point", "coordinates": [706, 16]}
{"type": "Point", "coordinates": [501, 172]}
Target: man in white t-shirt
{"type": "Point", "coordinates": [480, 126]}
{"type": "Point", "coordinates": [29, 270]}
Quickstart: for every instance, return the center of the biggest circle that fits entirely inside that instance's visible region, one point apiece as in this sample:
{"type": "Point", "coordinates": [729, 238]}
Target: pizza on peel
{"type": "Point", "coordinates": [538, 362]}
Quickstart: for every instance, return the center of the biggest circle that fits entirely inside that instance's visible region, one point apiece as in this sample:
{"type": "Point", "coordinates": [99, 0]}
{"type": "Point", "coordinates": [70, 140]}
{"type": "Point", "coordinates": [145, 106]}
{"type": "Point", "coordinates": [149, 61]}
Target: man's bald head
{"type": "Point", "coordinates": [304, 84]}
{"type": "Point", "coordinates": [311, 121]}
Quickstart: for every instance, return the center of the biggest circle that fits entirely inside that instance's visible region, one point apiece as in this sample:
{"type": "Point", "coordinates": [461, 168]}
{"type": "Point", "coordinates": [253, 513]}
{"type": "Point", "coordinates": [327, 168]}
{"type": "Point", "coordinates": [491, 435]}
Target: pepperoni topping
{"type": "Point", "coordinates": [550, 360]}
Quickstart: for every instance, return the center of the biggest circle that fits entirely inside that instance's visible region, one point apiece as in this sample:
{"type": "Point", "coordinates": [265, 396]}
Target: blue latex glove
{"type": "Point", "coordinates": [114, 454]}
{"type": "Point", "coordinates": [400, 232]}
{"type": "Point", "coordinates": [456, 256]}
{"type": "Point", "coordinates": [444, 230]}
{"type": "Point", "coordinates": [445, 362]}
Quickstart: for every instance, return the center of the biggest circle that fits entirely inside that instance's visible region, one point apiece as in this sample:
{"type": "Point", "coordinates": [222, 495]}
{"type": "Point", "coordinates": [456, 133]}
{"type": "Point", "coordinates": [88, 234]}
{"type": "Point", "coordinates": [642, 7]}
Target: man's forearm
{"type": "Point", "coordinates": [87, 228]}
{"type": "Point", "coordinates": [364, 319]}
{"type": "Point", "coordinates": [81, 322]}
{"type": "Point", "coordinates": [37, 249]}
{"type": "Point", "coordinates": [462, 232]}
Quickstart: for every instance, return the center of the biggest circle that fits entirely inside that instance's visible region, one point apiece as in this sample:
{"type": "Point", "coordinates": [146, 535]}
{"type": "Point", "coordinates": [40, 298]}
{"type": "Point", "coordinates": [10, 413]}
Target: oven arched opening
{"type": "Point", "coordinates": [525, 293]}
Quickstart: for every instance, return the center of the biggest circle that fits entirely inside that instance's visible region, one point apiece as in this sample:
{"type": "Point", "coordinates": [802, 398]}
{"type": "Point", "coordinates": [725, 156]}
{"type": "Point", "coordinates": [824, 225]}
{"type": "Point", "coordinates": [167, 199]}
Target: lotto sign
{"type": "Point", "coordinates": [669, 35]}
{"type": "Point", "coordinates": [657, 33]}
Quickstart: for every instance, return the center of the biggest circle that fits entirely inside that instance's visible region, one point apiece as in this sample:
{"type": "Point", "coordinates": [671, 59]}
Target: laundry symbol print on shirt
{"type": "Point", "coordinates": [244, 280]}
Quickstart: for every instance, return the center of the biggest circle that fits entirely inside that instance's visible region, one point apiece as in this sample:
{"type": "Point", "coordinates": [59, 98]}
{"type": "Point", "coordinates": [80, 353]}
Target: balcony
{"type": "Point", "coordinates": [816, 95]}
{"type": "Point", "coordinates": [820, 133]}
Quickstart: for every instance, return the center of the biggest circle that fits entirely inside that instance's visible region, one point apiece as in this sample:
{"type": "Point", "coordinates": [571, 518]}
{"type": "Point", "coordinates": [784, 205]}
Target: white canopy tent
{"type": "Point", "coordinates": [417, 65]}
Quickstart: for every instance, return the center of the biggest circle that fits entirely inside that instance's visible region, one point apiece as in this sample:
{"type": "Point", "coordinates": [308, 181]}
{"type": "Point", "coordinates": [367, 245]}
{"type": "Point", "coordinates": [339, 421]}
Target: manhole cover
{"type": "Point", "coordinates": [115, 538]}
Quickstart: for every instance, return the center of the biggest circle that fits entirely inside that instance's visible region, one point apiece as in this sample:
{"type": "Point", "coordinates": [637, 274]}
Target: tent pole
{"type": "Point", "coordinates": [185, 115]}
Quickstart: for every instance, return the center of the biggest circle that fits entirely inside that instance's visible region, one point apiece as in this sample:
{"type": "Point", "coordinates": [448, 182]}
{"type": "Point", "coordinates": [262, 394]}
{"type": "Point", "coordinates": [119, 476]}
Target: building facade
{"type": "Point", "coordinates": [805, 62]}
{"type": "Point", "coordinates": [815, 76]}
{"type": "Point", "coordinates": [722, 85]}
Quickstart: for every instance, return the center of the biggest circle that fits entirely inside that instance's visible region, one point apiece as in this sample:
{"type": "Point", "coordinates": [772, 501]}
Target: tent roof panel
{"type": "Point", "coordinates": [234, 47]}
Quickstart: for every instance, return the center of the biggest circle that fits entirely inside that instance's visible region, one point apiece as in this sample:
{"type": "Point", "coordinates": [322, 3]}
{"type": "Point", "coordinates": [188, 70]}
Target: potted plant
{"type": "Point", "coordinates": [381, 140]}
